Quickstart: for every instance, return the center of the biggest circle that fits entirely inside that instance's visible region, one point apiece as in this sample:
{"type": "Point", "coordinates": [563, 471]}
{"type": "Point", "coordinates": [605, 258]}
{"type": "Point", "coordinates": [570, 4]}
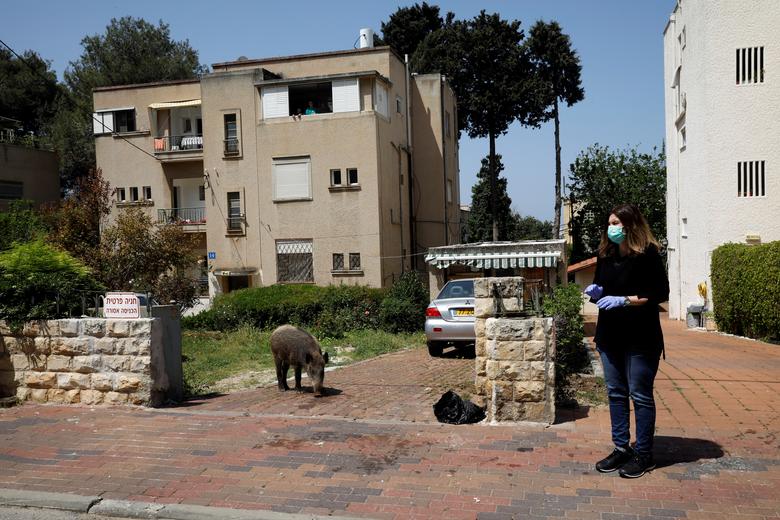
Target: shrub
{"type": "Point", "coordinates": [404, 308]}
{"type": "Point", "coordinates": [37, 279]}
{"type": "Point", "coordinates": [746, 289]}
{"type": "Point", "coordinates": [564, 305]}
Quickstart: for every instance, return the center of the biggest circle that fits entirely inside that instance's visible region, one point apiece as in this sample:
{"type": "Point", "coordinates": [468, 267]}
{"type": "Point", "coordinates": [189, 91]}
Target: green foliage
{"type": "Point", "coordinates": [601, 179]}
{"type": "Point", "coordinates": [332, 310]}
{"type": "Point", "coordinates": [131, 50]}
{"type": "Point", "coordinates": [404, 308]}
{"type": "Point", "coordinates": [19, 224]}
{"type": "Point", "coordinates": [480, 223]}
{"type": "Point", "coordinates": [137, 255]}
{"type": "Point", "coordinates": [34, 275]}
{"type": "Point", "coordinates": [531, 228]}
{"type": "Point", "coordinates": [28, 90]}
{"type": "Point", "coordinates": [408, 26]}
{"type": "Point", "coordinates": [565, 305]}
{"type": "Point", "coordinates": [746, 289]}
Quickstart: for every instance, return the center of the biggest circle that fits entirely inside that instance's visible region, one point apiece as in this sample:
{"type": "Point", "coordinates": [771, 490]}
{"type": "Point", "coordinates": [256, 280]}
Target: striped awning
{"type": "Point", "coordinates": [176, 104]}
{"type": "Point", "coordinates": [498, 255]}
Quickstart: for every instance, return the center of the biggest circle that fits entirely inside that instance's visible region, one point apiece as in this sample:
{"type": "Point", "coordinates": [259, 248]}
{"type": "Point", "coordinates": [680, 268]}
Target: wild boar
{"type": "Point", "coordinates": [293, 346]}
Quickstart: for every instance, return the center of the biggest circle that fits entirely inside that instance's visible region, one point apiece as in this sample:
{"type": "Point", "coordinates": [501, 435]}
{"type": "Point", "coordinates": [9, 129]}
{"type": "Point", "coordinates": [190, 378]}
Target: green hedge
{"type": "Point", "coordinates": [565, 306]}
{"type": "Point", "coordinates": [332, 310]}
{"type": "Point", "coordinates": [746, 289]}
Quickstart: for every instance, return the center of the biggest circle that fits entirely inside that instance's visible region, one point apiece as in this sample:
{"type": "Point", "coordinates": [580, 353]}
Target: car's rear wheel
{"type": "Point", "coordinates": [435, 348]}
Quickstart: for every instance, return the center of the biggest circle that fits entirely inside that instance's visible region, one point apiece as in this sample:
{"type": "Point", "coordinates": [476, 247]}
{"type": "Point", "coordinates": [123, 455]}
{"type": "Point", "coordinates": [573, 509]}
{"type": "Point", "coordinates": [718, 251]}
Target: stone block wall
{"type": "Point", "coordinates": [515, 368]}
{"type": "Point", "coordinates": [90, 361]}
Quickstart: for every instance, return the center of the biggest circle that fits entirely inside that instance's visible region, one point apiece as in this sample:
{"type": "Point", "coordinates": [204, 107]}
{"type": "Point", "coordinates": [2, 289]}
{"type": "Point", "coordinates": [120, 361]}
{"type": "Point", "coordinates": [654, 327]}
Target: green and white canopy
{"type": "Point", "coordinates": [498, 255]}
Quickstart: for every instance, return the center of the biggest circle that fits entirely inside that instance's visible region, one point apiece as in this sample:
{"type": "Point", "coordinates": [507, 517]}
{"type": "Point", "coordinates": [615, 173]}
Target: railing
{"type": "Point", "coordinates": [9, 136]}
{"type": "Point", "coordinates": [181, 216]}
{"type": "Point", "coordinates": [231, 146]}
{"type": "Point", "coordinates": [235, 224]}
{"type": "Point", "coordinates": [173, 143]}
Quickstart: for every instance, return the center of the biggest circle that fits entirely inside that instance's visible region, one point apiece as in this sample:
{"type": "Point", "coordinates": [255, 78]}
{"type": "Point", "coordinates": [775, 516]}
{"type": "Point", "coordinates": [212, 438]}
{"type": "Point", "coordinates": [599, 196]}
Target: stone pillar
{"type": "Point", "coordinates": [515, 366]}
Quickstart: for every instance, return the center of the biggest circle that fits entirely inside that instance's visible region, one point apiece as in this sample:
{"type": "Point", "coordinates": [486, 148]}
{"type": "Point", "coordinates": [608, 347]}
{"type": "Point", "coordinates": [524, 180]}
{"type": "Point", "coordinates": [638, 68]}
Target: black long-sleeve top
{"type": "Point", "coordinates": [636, 327]}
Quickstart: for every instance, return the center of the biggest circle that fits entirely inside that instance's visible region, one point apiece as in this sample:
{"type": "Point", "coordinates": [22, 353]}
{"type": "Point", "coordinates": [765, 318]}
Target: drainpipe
{"type": "Point", "coordinates": [442, 79]}
{"type": "Point", "coordinates": [409, 167]}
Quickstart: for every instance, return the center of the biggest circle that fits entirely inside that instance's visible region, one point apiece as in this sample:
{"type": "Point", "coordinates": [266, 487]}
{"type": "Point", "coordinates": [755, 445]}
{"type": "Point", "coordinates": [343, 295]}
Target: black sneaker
{"type": "Point", "coordinates": [637, 466]}
{"type": "Point", "coordinates": [614, 460]}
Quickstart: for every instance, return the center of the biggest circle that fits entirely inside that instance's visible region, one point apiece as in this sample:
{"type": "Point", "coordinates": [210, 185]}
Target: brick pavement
{"type": "Point", "coordinates": [372, 448]}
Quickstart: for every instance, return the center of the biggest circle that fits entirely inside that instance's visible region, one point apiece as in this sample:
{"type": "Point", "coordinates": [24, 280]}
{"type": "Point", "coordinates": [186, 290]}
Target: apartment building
{"type": "Point", "coordinates": [328, 168]}
{"type": "Point", "coordinates": [722, 105]}
{"type": "Point", "coordinates": [29, 168]}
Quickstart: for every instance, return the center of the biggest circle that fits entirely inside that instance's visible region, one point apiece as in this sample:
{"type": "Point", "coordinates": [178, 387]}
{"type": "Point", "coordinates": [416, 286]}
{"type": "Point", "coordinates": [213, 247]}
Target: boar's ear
{"type": "Point", "coordinates": [325, 357]}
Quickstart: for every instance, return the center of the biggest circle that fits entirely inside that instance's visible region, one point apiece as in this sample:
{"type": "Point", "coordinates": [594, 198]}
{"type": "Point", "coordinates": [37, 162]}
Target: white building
{"type": "Point", "coordinates": [722, 97]}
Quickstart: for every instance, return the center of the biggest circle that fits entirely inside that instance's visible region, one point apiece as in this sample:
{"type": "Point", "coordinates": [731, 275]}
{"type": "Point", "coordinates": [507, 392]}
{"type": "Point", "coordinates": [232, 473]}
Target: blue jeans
{"type": "Point", "coordinates": [631, 374]}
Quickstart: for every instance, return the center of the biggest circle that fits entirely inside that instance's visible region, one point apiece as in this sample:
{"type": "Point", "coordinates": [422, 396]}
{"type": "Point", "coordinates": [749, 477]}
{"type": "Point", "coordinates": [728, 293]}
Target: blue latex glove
{"type": "Point", "coordinates": [611, 302]}
{"type": "Point", "coordinates": [594, 291]}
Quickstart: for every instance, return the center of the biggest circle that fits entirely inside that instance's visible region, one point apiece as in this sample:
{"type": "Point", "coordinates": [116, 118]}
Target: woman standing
{"type": "Point", "coordinates": [629, 284]}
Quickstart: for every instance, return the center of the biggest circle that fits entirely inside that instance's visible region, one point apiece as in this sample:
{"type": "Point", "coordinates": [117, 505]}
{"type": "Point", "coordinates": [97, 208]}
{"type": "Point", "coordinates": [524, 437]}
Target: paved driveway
{"type": "Point", "coordinates": [372, 449]}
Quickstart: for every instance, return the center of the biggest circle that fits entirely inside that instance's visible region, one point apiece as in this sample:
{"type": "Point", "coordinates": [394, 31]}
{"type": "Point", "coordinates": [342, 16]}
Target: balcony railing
{"type": "Point", "coordinates": [174, 143]}
{"type": "Point", "coordinates": [231, 146]}
{"type": "Point", "coordinates": [235, 224]}
{"type": "Point", "coordinates": [181, 216]}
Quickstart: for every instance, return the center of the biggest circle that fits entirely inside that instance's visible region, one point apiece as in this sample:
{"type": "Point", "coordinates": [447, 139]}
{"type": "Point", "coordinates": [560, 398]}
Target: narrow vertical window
{"type": "Point", "coordinates": [234, 211]}
{"type": "Point", "coordinates": [354, 261]}
{"type": "Point", "coordinates": [763, 180]}
{"type": "Point", "coordinates": [335, 177]}
{"type": "Point", "coordinates": [352, 176]}
{"type": "Point", "coordinates": [120, 195]}
{"type": "Point", "coordinates": [147, 191]}
{"type": "Point", "coordinates": [739, 179]}
{"type": "Point", "coordinates": [761, 63]}
{"type": "Point", "coordinates": [743, 65]}
{"type": "Point", "coordinates": [338, 261]}
{"type": "Point", "coordinates": [737, 66]}
{"type": "Point", "coordinates": [134, 194]}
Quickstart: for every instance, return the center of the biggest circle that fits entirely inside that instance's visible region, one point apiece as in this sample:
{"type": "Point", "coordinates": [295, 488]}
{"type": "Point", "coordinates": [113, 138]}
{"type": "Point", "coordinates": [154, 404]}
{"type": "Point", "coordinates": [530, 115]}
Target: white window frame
{"type": "Point", "coordinates": [146, 192]}
{"type": "Point", "coordinates": [348, 181]}
{"type": "Point", "coordinates": [333, 180]}
{"type": "Point", "coordinates": [285, 161]}
{"type": "Point", "coordinates": [276, 101]}
{"type": "Point", "coordinates": [123, 193]}
{"type": "Point", "coordinates": [345, 94]}
{"type": "Point", "coordinates": [103, 120]}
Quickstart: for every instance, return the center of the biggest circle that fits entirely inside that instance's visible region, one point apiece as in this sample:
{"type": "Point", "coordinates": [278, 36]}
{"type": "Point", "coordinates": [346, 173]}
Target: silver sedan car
{"type": "Point", "coordinates": [449, 319]}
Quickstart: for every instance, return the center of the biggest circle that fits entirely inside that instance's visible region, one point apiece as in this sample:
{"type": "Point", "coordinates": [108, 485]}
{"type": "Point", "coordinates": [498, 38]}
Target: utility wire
{"type": "Point", "coordinates": [68, 95]}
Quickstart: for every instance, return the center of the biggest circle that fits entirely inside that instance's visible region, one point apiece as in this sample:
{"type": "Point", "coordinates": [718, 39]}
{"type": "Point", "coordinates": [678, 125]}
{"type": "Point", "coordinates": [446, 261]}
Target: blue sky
{"type": "Point", "coordinates": [619, 43]}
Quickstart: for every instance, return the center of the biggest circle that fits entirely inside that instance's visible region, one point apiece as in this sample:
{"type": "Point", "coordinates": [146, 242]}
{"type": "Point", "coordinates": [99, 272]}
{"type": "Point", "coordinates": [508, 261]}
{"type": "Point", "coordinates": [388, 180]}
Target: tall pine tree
{"type": "Point", "coordinates": [480, 223]}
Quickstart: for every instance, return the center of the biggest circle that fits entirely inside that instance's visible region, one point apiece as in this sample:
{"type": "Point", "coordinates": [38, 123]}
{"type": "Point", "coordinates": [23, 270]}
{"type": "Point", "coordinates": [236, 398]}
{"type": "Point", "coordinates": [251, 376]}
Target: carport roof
{"type": "Point", "coordinates": [498, 255]}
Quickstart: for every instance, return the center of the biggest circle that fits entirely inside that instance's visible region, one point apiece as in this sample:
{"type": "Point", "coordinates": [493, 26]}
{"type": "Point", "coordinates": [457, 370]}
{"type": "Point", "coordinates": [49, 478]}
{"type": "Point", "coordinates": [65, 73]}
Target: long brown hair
{"type": "Point", "coordinates": [635, 227]}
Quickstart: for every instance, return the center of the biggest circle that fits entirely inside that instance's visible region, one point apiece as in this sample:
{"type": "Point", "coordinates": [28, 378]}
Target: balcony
{"type": "Point", "coordinates": [179, 147]}
{"type": "Point", "coordinates": [191, 219]}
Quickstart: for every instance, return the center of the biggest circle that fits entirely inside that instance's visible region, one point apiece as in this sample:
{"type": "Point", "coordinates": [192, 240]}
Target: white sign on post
{"type": "Point", "coordinates": [121, 305]}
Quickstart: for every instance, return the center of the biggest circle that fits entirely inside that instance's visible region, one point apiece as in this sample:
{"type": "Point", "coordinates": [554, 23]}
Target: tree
{"type": "Point", "coordinates": [408, 26]}
{"type": "Point", "coordinates": [531, 228]}
{"type": "Point", "coordinates": [601, 179]}
{"type": "Point", "coordinates": [490, 71]}
{"type": "Point", "coordinates": [28, 90]}
{"type": "Point", "coordinates": [130, 51]}
{"type": "Point", "coordinates": [137, 255]}
{"type": "Point", "coordinates": [481, 220]}
{"type": "Point", "coordinates": [20, 224]}
{"type": "Point", "coordinates": [558, 68]}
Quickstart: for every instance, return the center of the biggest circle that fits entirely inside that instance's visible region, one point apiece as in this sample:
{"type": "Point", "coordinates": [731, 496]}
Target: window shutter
{"type": "Point", "coordinates": [291, 180]}
{"type": "Point", "coordinates": [380, 99]}
{"type": "Point", "coordinates": [346, 95]}
{"type": "Point", "coordinates": [102, 122]}
{"type": "Point", "coordinates": [275, 102]}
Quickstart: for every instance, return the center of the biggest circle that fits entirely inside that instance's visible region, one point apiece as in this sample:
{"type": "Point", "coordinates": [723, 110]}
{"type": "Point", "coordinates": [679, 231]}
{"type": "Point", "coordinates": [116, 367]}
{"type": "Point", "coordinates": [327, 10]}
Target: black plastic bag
{"type": "Point", "coordinates": [454, 410]}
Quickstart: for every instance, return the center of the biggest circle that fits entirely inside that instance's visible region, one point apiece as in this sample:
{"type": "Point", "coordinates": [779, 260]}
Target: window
{"type": "Point", "coordinates": [338, 261]}
{"type": "Point", "coordinates": [186, 124]}
{"type": "Point", "coordinates": [202, 192]}
{"type": "Point", "coordinates": [134, 194]}
{"type": "Point", "coordinates": [399, 104]}
{"type": "Point", "coordinates": [235, 219]}
{"type": "Point", "coordinates": [113, 120]}
{"type": "Point", "coordinates": [199, 125]}
{"type": "Point", "coordinates": [294, 261]}
{"type": "Point", "coordinates": [11, 190]}
{"type": "Point", "coordinates": [310, 98]}
{"type": "Point", "coordinates": [684, 228]}
{"type": "Point", "coordinates": [120, 195]}
{"type": "Point", "coordinates": [751, 179]}
{"type": "Point", "coordinates": [292, 178]}
{"type": "Point", "coordinates": [335, 177]}
{"type": "Point", "coordinates": [352, 176]}
{"type": "Point", "coordinates": [346, 95]}
{"type": "Point", "coordinates": [354, 261]}
{"type": "Point", "coordinates": [231, 134]}
{"type": "Point", "coordinates": [447, 131]}
{"type": "Point", "coordinates": [147, 192]}
{"type": "Point", "coordinates": [275, 101]}
{"type": "Point", "coordinates": [380, 99]}
{"type": "Point", "coordinates": [124, 121]}
{"type": "Point", "coordinates": [750, 65]}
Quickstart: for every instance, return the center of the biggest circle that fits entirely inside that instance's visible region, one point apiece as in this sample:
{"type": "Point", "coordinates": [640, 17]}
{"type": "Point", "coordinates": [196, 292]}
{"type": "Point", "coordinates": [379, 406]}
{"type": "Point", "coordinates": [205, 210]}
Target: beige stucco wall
{"type": "Point", "coordinates": [37, 170]}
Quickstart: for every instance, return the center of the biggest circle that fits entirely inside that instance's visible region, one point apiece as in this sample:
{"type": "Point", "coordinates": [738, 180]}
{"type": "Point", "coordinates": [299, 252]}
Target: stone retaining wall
{"type": "Point", "coordinates": [515, 369]}
{"type": "Point", "coordinates": [89, 361]}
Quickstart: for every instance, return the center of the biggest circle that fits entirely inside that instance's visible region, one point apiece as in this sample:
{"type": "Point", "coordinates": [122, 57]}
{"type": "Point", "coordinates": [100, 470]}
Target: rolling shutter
{"type": "Point", "coordinates": [275, 102]}
{"type": "Point", "coordinates": [346, 95]}
{"type": "Point", "coordinates": [291, 179]}
{"type": "Point", "coordinates": [102, 122]}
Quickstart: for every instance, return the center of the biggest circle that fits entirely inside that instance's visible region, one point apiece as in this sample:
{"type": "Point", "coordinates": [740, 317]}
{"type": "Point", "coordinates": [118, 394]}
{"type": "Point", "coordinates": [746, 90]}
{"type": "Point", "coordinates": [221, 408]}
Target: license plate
{"type": "Point", "coordinates": [464, 312]}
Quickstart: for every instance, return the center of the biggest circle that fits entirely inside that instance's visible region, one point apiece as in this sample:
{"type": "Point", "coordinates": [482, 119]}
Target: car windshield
{"type": "Point", "coordinates": [457, 289]}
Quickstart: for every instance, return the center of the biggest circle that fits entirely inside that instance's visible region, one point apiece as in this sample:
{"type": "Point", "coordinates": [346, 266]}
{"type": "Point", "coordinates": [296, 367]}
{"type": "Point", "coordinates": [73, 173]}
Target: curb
{"type": "Point", "coordinates": [148, 510]}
